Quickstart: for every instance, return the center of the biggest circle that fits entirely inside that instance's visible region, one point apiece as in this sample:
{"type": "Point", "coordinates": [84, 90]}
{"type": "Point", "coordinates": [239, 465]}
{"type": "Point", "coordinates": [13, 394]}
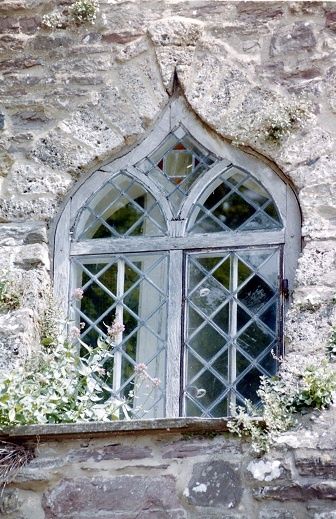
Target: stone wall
{"type": "Point", "coordinates": [74, 98]}
{"type": "Point", "coordinates": [173, 475]}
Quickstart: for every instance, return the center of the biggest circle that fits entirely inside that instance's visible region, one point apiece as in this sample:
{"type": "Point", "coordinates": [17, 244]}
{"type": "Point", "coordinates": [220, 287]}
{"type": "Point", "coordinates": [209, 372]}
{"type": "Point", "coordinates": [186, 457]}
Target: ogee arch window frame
{"type": "Point", "coordinates": [183, 249]}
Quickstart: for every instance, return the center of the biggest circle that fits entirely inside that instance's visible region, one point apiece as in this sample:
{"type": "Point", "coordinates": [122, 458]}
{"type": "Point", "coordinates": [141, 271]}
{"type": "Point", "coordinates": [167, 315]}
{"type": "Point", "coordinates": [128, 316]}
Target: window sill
{"type": "Point", "coordinates": [101, 429]}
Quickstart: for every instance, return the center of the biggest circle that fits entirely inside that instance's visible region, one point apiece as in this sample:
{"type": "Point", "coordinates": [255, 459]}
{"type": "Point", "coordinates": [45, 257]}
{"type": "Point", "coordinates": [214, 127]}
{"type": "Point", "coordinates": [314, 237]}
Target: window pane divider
{"type": "Point", "coordinates": [174, 333]}
{"type": "Point", "coordinates": [150, 243]}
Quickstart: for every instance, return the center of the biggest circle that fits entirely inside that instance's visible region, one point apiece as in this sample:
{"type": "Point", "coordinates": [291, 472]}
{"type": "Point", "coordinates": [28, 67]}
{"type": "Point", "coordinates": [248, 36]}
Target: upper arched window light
{"type": "Point", "coordinates": [184, 240]}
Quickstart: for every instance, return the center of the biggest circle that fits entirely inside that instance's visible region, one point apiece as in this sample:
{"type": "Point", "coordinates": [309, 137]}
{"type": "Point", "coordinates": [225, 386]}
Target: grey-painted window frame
{"type": "Point", "coordinates": [289, 237]}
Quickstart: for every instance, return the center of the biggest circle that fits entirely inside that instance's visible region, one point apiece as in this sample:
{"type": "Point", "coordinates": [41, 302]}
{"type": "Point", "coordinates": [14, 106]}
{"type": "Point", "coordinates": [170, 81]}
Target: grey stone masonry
{"type": "Point", "coordinates": [181, 470]}
{"type": "Point", "coordinates": [76, 97]}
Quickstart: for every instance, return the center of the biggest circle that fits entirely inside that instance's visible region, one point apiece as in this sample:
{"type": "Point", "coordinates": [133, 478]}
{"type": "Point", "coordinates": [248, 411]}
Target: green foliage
{"type": "Point", "coordinates": [298, 387]}
{"type": "Point", "coordinates": [58, 386]}
{"type": "Point", "coordinates": [331, 346]}
{"type": "Point", "coordinates": [79, 13]}
{"type": "Point", "coordinates": [316, 387]}
{"type": "Point", "coordinates": [84, 11]}
{"type": "Point", "coordinates": [49, 320]}
{"type": "Point", "coordinates": [287, 119]}
{"type": "Point", "coordinates": [10, 294]}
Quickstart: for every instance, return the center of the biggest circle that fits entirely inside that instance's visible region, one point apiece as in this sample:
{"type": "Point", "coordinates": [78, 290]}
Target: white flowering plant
{"type": "Point", "coordinates": [81, 12]}
{"type": "Point", "coordinates": [299, 386]}
{"type": "Point", "coordinates": [54, 20]}
{"type": "Point", "coordinates": [57, 386]}
{"type": "Point", "coordinates": [60, 385]}
{"type": "Point", "coordinates": [331, 346]}
{"type": "Point", "coordinates": [84, 11]}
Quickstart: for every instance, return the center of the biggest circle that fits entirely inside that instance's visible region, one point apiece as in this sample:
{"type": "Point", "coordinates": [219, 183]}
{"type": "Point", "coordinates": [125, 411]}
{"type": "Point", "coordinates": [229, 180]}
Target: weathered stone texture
{"type": "Point", "coordinates": [72, 99]}
{"type": "Point", "coordinates": [128, 495]}
{"type": "Point", "coordinates": [214, 484]}
{"type": "Point", "coordinates": [293, 38]}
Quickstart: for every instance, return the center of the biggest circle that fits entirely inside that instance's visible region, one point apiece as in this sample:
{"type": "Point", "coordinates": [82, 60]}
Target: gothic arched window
{"type": "Point", "coordinates": [187, 242]}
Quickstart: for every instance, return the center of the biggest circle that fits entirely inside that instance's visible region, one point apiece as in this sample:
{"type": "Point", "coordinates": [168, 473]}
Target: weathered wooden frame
{"type": "Point", "coordinates": [284, 198]}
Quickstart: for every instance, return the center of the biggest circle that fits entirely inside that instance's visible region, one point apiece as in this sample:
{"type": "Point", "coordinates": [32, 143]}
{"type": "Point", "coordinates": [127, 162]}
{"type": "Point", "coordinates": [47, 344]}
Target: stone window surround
{"type": "Point", "coordinates": [177, 111]}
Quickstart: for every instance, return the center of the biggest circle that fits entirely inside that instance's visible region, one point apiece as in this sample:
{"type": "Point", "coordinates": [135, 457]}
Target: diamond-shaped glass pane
{"type": "Point", "coordinates": [207, 342]}
{"type": "Point", "coordinates": [206, 388]}
{"type": "Point", "coordinates": [239, 202]}
{"type": "Point", "coordinates": [122, 207]}
{"type": "Point", "coordinates": [177, 162]}
{"type": "Point", "coordinates": [249, 385]}
{"type": "Point", "coordinates": [132, 289]}
{"type": "Point", "coordinates": [231, 327]}
{"type": "Point", "coordinates": [255, 294]}
{"type": "Point", "coordinates": [254, 339]}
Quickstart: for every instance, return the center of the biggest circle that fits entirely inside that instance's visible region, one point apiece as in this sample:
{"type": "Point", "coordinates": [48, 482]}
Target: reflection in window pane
{"type": "Point", "coordinates": [176, 164]}
{"type": "Point", "coordinates": [132, 288]}
{"type": "Point", "coordinates": [122, 207]}
{"type": "Point", "coordinates": [232, 303]}
{"type": "Point", "coordinates": [237, 202]}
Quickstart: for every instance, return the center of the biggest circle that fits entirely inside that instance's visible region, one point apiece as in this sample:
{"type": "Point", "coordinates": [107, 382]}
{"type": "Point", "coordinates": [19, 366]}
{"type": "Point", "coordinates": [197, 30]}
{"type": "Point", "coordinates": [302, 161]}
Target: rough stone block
{"type": "Point", "coordinates": [22, 233]}
{"type": "Point", "coordinates": [9, 502]}
{"type": "Point", "coordinates": [257, 12]}
{"type": "Point", "coordinates": [175, 31]}
{"type": "Point", "coordinates": [277, 514]}
{"type": "Point", "coordinates": [18, 336]}
{"type": "Point", "coordinates": [316, 464]}
{"type": "Point", "coordinates": [331, 18]}
{"type": "Point", "coordinates": [124, 496]}
{"type": "Point", "coordinates": [199, 446]}
{"type": "Point", "coordinates": [36, 178]}
{"type": "Point", "coordinates": [91, 130]}
{"type": "Point", "coordinates": [32, 256]}
{"type": "Point", "coordinates": [143, 86]}
{"type": "Point", "coordinates": [214, 484]}
{"type": "Point", "coordinates": [59, 151]}
{"type": "Point", "coordinates": [110, 452]}
{"type": "Point", "coordinates": [317, 266]}
{"type": "Point", "coordinates": [6, 161]}
{"type": "Point", "coordinates": [297, 492]}
{"type": "Point", "coordinates": [132, 49]}
{"type": "Point", "coordinates": [296, 37]}
{"type": "Point", "coordinates": [305, 148]}
{"type": "Point", "coordinates": [117, 109]}
{"type": "Point", "coordinates": [325, 515]}
{"type": "Point", "coordinates": [23, 209]}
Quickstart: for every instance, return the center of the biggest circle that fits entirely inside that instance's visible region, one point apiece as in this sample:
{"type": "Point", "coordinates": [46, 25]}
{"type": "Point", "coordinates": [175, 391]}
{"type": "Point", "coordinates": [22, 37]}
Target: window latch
{"type": "Point", "coordinates": [284, 288]}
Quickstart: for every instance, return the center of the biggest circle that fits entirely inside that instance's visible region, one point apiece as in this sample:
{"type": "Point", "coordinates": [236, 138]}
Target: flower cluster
{"type": "Point", "coordinates": [141, 370]}
{"type": "Point", "coordinates": [84, 11]}
{"type": "Point", "coordinates": [78, 294]}
{"type": "Point", "coordinates": [55, 20]}
{"type": "Point", "coordinates": [79, 13]}
{"type": "Point", "coordinates": [115, 329]}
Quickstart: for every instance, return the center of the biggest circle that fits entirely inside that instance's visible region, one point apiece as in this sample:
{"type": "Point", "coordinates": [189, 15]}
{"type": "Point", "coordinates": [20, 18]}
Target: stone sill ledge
{"type": "Point", "coordinates": [101, 429]}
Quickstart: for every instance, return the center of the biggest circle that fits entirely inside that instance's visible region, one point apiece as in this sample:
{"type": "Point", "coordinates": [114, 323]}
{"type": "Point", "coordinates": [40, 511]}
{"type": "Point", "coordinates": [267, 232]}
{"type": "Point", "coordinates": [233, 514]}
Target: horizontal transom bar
{"type": "Point", "coordinates": [139, 244]}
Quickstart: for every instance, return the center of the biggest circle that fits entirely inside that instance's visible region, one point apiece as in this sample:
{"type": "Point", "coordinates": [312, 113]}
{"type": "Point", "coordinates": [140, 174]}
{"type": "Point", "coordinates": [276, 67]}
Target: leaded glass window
{"type": "Point", "coordinates": [182, 241]}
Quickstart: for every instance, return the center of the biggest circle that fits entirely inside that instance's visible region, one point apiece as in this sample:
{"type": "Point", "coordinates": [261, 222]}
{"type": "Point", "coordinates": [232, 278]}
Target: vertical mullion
{"type": "Point", "coordinates": [232, 375]}
{"type": "Point", "coordinates": [174, 338]}
{"type": "Point", "coordinates": [119, 318]}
